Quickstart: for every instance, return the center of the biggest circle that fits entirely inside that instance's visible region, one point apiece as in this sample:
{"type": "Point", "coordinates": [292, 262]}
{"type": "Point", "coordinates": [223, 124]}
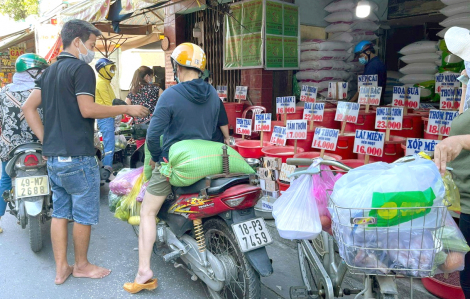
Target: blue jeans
{"type": "Point", "coordinates": [106, 127]}
{"type": "Point", "coordinates": [5, 185]}
{"type": "Point", "coordinates": [75, 185]}
{"type": "Point", "coordinates": [464, 224]}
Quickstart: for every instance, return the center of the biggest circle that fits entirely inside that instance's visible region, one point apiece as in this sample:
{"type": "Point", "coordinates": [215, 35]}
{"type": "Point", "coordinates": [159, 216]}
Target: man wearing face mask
{"type": "Point", "coordinates": [66, 92]}
{"type": "Point", "coordinates": [105, 96]}
{"type": "Point", "coordinates": [373, 66]}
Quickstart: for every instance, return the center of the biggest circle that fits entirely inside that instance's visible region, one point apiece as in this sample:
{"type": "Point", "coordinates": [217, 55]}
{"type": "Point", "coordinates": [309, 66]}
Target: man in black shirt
{"type": "Point", "coordinates": [66, 93]}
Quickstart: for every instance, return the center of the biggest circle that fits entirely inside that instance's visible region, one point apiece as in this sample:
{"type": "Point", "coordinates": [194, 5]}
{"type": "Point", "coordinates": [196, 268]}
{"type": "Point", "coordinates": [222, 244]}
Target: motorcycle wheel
{"type": "Point", "coordinates": [35, 234]}
{"type": "Point", "coordinates": [221, 242]}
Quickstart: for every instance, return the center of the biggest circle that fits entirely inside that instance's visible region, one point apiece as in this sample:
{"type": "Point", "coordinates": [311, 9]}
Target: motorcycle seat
{"type": "Point", "coordinates": [20, 149]}
{"type": "Point", "coordinates": [218, 186]}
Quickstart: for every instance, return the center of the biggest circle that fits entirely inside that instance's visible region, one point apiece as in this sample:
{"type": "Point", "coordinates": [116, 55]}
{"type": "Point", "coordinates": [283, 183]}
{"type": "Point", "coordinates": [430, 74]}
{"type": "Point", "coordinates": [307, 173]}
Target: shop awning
{"type": "Point", "coordinates": [11, 40]}
{"type": "Point", "coordinates": [89, 10]}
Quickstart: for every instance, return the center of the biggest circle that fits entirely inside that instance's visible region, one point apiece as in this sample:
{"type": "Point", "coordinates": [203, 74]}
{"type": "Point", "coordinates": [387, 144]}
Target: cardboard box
{"type": "Point", "coordinates": [268, 185]}
{"type": "Point", "coordinates": [273, 194]}
{"type": "Point", "coordinates": [268, 174]}
{"type": "Point", "coordinates": [272, 163]}
{"type": "Point", "coordinates": [286, 170]}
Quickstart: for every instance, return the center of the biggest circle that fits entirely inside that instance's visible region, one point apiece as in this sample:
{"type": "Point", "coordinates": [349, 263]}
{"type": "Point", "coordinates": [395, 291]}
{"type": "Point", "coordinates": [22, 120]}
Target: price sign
{"type": "Point", "coordinates": [263, 122]}
{"type": "Point", "coordinates": [447, 80]}
{"type": "Point", "coordinates": [243, 126]}
{"type": "Point", "coordinates": [296, 129]}
{"type": "Point", "coordinates": [389, 118]}
{"type": "Point", "coordinates": [314, 111]}
{"type": "Point", "coordinates": [417, 145]}
{"type": "Point", "coordinates": [370, 95]}
{"type": "Point", "coordinates": [347, 111]}
{"type": "Point", "coordinates": [440, 121]}
{"type": "Point", "coordinates": [342, 90]}
{"type": "Point", "coordinates": [450, 98]}
{"type": "Point", "coordinates": [222, 92]}
{"type": "Point", "coordinates": [266, 205]}
{"type": "Point", "coordinates": [279, 136]}
{"type": "Point", "coordinates": [308, 93]}
{"type": "Point", "coordinates": [426, 106]}
{"type": "Point", "coordinates": [325, 139]}
{"type": "Point", "coordinates": [368, 80]}
{"type": "Point", "coordinates": [241, 92]}
{"type": "Point", "coordinates": [413, 97]}
{"type": "Point", "coordinates": [285, 105]}
{"type": "Point", "coordinates": [369, 143]}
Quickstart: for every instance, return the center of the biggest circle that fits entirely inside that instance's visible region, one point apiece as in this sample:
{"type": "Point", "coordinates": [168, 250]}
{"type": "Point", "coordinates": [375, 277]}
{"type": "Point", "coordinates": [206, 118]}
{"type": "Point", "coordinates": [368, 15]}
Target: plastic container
{"type": "Point", "coordinates": [283, 152]}
{"type": "Point", "coordinates": [329, 120]}
{"type": "Point", "coordinates": [392, 150]}
{"type": "Point", "coordinates": [442, 289]}
{"type": "Point", "coordinates": [299, 114]}
{"type": "Point", "coordinates": [283, 186]}
{"type": "Point", "coordinates": [234, 111]}
{"type": "Point", "coordinates": [267, 135]}
{"type": "Point", "coordinates": [426, 135]}
{"type": "Point", "coordinates": [251, 148]}
{"type": "Point", "coordinates": [353, 163]}
{"type": "Point", "coordinates": [365, 121]}
{"type": "Point", "coordinates": [412, 127]}
{"type": "Point", "coordinates": [345, 146]}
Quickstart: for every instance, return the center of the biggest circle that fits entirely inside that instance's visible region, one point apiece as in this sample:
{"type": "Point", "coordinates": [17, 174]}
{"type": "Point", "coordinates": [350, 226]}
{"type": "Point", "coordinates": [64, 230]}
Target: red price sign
{"type": "Point", "coordinates": [279, 136]}
{"type": "Point", "coordinates": [369, 143]}
{"type": "Point", "coordinates": [285, 105]}
{"type": "Point", "coordinates": [325, 139]}
{"type": "Point", "coordinates": [347, 111]}
{"type": "Point", "coordinates": [296, 129]}
{"type": "Point", "coordinates": [243, 126]}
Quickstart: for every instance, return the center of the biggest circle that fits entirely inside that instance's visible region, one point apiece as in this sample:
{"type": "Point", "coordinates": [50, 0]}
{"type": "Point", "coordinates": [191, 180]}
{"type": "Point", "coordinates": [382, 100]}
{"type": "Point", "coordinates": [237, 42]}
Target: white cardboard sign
{"type": "Point", "coordinates": [447, 80]}
{"type": "Point", "coordinates": [342, 90]}
{"type": "Point", "coordinates": [308, 93]}
{"type": "Point", "coordinates": [241, 92]}
{"type": "Point", "coordinates": [450, 98]}
{"type": "Point", "coordinates": [285, 105]}
{"type": "Point", "coordinates": [326, 139]}
{"type": "Point", "coordinates": [413, 97]}
{"type": "Point", "coordinates": [389, 118]}
{"type": "Point", "coordinates": [222, 91]}
{"type": "Point", "coordinates": [417, 145]}
{"type": "Point", "coordinates": [440, 121]}
{"type": "Point", "coordinates": [347, 111]}
{"type": "Point", "coordinates": [296, 129]}
{"type": "Point", "coordinates": [279, 136]}
{"type": "Point", "coordinates": [243, 126]}
{"type": "Point", "coordinates": [368, 80]}
{"type": "Point", "coordinates": [369, 143]}
{"type": "Point", "coordinates": [314, 111]}
{"type": "Point", "coordinates": [370, 95]}
{"type": "Point", "coordinates": [263, 122]}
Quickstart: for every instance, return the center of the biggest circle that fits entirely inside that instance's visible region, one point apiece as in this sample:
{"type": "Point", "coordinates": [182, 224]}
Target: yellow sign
{"type": "Point", "coordinates": [15, 52]}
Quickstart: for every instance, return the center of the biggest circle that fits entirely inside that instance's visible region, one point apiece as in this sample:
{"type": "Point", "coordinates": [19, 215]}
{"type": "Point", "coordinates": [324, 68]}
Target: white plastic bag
{"type": "Point", "coordinates": [460, 19]}
{"type": "Point", "coordinates": [417, 58]}
{"type": "Point", "coordinates": [323, 45]}
{"type": "Point", "coordinates": [322, 75]}
{"type": "Point", "coordinates": [354, 37]}
{"type": "Point", "coordinates": [424, 46]}
{"type": "Point", "coordinates": [341, 5]}
{"type": "Point", "coordinates": [324, 55]}
{"type": "Point", "coordinates": [452, 2]}
{"type": "Point", "coordinates": [419, 68]}
{"type": "Point", "coordinates": [296, 211]}
{"type": "Point", "coordinates": [456, 9]}
{"type": "Point", "coordinates": [416, 78]}
{"type": "Point", "coordinates": [333, 65]}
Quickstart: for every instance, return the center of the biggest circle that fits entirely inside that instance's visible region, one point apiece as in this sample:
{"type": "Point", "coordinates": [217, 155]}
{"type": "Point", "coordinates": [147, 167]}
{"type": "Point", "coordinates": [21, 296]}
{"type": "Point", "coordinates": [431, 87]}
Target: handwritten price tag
{"type": "Point", "coordinates": [370, 95]}
{"type": "Point", "coordinates": [413, 97]}
{"type": "Point", "coordinates": [367, 80]}
{"type": "Point", "coordinates": [450, 98]}
{"type": "Point", "coordinates": [417, 145]}
{"type": "Point", "coordinates": [279, 136]}
{"type": "Point", "coordinates": [241, 92]}
{"type": "Point", "coordinates": [440, 121]}
{"type": "Point", "coordinates": [263, 122]}
{"type": "Point", "coordinates": [347, 111]}
{"type": "Point", "coordinates": [342, 90]}
{"type": "Point", "coordinates": [222, 91]}
{"type": "Point", "coordinates": [314, 111]}
{"type": "Point", "coordinates": [389, 118]}
{"type": "Point", "coordinates": [285, 105]}
{"type": "Point", "coordinates": [296, 129]}
{"type": "Point", "coordinates": [325, 139]}
{"type": "Point", "coordinates": [448, 80]}
{"type": "Point", "coordinates": [308, 93]}
{"type": "Point", "coordinates": [369, 143]}
{"type": "Point", "coordinates": [243, 126]}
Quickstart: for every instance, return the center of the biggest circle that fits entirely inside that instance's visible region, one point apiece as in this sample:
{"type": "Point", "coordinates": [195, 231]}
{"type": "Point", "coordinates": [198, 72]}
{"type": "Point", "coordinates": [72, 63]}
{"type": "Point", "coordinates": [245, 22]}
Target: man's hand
{"type": "Point", "coordinates": [446, 151]}
{"type": "Point", "coordinates": [152, 163]}
{"type": "Point", "coordinates": [227, 141]}
{"type": "Point", "coordinates": [137, 111]}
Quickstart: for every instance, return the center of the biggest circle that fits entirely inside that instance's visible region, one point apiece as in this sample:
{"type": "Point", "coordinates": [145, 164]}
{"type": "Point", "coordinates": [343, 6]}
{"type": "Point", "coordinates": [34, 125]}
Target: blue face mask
{"type": "Point", "coordinates": [363, 60]}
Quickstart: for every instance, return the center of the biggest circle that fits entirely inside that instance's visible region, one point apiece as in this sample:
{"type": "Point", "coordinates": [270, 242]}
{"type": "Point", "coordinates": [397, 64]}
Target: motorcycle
{"type": "Point", "coordinates": [30, 199]}
{"type": "Point", "coordinates": [212, 228]}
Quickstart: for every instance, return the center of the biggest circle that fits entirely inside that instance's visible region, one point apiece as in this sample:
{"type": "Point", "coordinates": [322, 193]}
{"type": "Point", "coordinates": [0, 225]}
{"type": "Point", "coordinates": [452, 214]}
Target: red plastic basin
{"type": "Point", "coordinates": [392, 150]}
{"type": "Point", "coordinates": [441, 289]}
{"type": "Point", "coordinates": [283, 152]}
{"type": "Point", "coordinates": [274, 123]}
{"type": "Point", "coordinates": [329, 120]}
{"type": "Point", "coordinates": [283, 186]}
{"type": "Point", "coordinates": [251, 148]}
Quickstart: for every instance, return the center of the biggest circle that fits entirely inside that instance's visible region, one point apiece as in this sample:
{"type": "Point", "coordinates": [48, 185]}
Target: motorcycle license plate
{"type": "Point", "coordinates": [31, 186]}
{"type": "Point", "coordinates": [252, 234]}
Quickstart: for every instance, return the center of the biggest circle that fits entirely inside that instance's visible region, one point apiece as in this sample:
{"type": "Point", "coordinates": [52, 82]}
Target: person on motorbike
{"type": "Point", "coordinates": [106, 70]}
{"type": "Point", "coordinates": [14, 128]}
{"type": "Point", "coordinates": [187, 110]}
{"type": "Point", "coordinates": [66, 92]}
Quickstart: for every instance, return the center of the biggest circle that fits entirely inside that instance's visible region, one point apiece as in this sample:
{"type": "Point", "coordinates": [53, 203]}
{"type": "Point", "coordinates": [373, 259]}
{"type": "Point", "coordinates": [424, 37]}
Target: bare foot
{"type": "Point", "coordinates": [143, 276]}
{"type": "Point", "coordinates": [90, 271]}
{"type": "Point", "coordinates": [62, 275]}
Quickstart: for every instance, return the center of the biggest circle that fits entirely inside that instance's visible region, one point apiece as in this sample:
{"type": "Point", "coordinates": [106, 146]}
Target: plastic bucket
{"type": "Point", "coordinates": [283, 152]}
{"type": "Point", "coordinates": [299, 114]}
{"type": "Point", "coordinates": [442, 289]}
{"type": "Point", "coordinates": [234, 111]}
{"type": "Point", "coordinates": [353, 163]}
{"type": "Point", "coordinates": [283, 186]}
{"type": "Point", "coordinates": [313, 155]}
{"type": "Point", "coordinates": [303, 143]}
{"type": "Point", "coordinates": [412, 127]}
{"type": "Point", "coordinates": [427, 135]}
{"type": "Point", "coordinates": [392, 150]}
{"type": "Point", "coordinates": [365, 121]}
{"type": "Point", "coordinates": [251, 148]}
{"type": "Point", "coordinates": [329, 120]}
{"type": "Point", "coordinates": [345, 146]}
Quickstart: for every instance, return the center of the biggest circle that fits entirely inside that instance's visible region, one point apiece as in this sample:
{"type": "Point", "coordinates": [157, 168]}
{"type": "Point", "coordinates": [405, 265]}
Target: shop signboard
{"type": "Point", "coordinates": [347, 111]}
{"type": "Point", "coordinates": [243, 126]}
{"type": "Point", "coordinates": [325, 139]}
{"type": "Point", "coordinates": [314, 111]}
{"type": "Point", "coordinates": [308, 93]}
{"type": "Point", "coordinates": [370, 95]}
{"type": "Point", "coordinates": [411, 97]}
{"type": "Point", "coordinates": [15, 52]}
{"type": "Point", "coordinates": [417, 145]}
{"type": "Point", "coordinates": [440, 122]}
{"type": "Point", "coordinates": [446, 80]}
{"type": "Point", "coordinates": [263, 122]}
{"type": "Point", "coordinates": [342, 88]}
{"type": "Point", "coordinates": [367, 80]}
{"type": "Point", "coordinates": [5, 61]}
{"type": "Point", "coordinates": [222, 91]}
{"type": "Point", "coordinates": [389, 118]}
{"type": "Point", "coordinates": [369, 143]}
{"type": "Point", "coordinates": [450, 98]}
{"type": "Point", "coordinates": [241, 93]}
{"type": "Point", "coordinates": [279, 136]}
{"type": "Point", "coordinates": [285, 105]}
{"type": "Point", "coordinates": [296, 129]}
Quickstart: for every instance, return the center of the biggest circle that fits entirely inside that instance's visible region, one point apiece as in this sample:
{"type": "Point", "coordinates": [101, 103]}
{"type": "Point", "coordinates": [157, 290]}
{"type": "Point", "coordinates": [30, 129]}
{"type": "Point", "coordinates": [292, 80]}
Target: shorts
{"type": "Point", "coordinates": [158, 184]}
{"type": "Point", "coordinates": [75, 184]}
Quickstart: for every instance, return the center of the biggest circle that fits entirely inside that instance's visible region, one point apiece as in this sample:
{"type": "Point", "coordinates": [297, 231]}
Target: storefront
{"type": "Point", "coordinates": [12, 46]}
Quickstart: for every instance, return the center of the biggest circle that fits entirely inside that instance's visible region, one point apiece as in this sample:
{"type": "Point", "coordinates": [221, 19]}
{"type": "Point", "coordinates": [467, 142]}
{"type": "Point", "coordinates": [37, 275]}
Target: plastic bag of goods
{"type": "Point", "coordinates": [113, 201]}
{"type": "Point", "coordinates": [420, 58]}
{"type": "Point", "coordinates": [456, 20]}
{"type": "Point", "coordinates": [323, 55]}
{"type": "Point", "coordinates": [348, 16]}
{"type": "Point", "coordinates": [322, 75]}
{"type": "Point", "coordinates": [351, 26]}
{"type": "Point", "coordinates": [147, 168]}
{"type": "Point", "coordinates": [125, 181]}
{"type": "Point", "coordinates": [427, 90]}
{"type": "Point", "coordinates": [419, 68]}
{"type": "Point", "coordinates": [296, 212]}
{"type": "Point", "coordinates": [354, 37]}
{"type": "Point", "coordinates": [333, 65]}
{"type": "Point", "coordinates": [120, 142]}
{"type": "Point", "coordinates": [442, 33]}
{"type": "Point", "coordinates": [452, 2]}
{"type": "Point", "coordinates": [134, 213]}
{"type": "Point", "coordinates": [323, 45]}
{"type": "Point", "coordinates": [416, 78]}
{"type": "Point", "coordinates": [341, 5]}
{"type": "Point", "coordinates": [419, 48]}
{"type": "Point", "coordinates": [192, 160]}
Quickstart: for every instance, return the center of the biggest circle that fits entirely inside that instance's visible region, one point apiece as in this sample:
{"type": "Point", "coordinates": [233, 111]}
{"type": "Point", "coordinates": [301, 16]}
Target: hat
{"type": "Point", "coordinates": [458, 42]}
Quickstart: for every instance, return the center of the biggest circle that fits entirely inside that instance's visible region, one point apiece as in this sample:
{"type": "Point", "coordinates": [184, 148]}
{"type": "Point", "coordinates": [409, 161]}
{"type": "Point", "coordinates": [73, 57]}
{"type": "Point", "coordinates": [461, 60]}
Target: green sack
{"type": "Point", "coordinates": [427, 90]}
{"type": "Point", "coordinates": [147, 167]}
{"type": "Point", "coordinates": [193, 160]}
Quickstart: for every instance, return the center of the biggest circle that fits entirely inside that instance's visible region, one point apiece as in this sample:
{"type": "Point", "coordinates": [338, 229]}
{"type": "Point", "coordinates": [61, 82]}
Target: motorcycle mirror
{"type": "Point", "coordinates": [118, 102]}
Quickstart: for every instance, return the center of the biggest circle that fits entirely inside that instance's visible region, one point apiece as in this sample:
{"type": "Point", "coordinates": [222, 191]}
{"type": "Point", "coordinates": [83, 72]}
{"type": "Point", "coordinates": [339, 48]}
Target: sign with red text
{"type": "Point", "coordinates": [440, 121]}
{"type": "Point", "coordinates": [296, 129]}
{"type": "Point", "coordinates": [447, 80]}
{"type": "Point", "coordinates": [347, 111]}
{"type": "Point", "coordinates": [413, 97]}
{"type": "Point", "coordinates": [342, 90]}
{"type": "Point", "coordinates": [389, 118]}
{"type": "Point", "coordinates": [370, 95]}
{"type": "Point", "coordinates": [417, 145]}
{"type": "Point", "coordinates": [241, 92]}
{"type": "Point", "coordinates": [285, 105]}
{"type": "Point", "coordinates": [263, 122]}
{"type": "Point", "coordinates": [450, 98]}
{"type": "Point", "coordinates": [314, 111]}
{"type": "Point", "coordinates": [279, 136]}
{"type": "Point", "coordinates": [367, 80]}
{"type": "Point", "coordinates": [243, 126]}
{"type": "Point", "coordinates": [308, 93]}
{"type": "Point", "coordinates": [222, 92]}
{"type": "Point", "coordinates": [369, 143]}
{"type": "Point", "coordinates": [325, 139]}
